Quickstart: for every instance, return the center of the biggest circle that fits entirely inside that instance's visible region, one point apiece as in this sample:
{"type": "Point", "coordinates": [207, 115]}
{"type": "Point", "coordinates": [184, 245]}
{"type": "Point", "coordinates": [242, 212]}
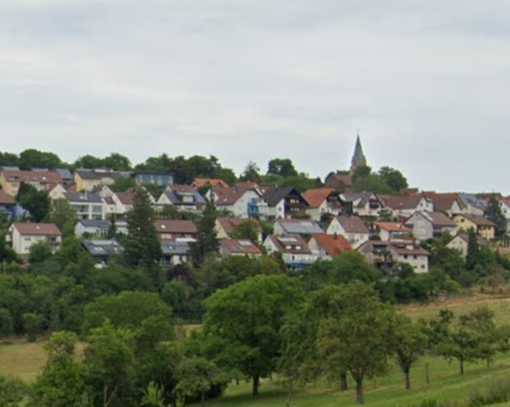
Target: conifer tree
{"type": "Point", "coordinates": [207, 241]}
{"type": "Point", "coordinates": [473, 253]}
{"type": "Point", "coordinates": [495, 215]}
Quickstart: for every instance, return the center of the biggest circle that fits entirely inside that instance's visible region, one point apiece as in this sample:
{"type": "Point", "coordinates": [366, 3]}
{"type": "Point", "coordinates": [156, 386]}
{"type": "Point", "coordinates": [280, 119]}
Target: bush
{"type": "Point", "coordinates": [32, 323]}
{"type": "Point", "coordinates": [496, 392]}
{"type": "Point", "coordinates": [6, 323]}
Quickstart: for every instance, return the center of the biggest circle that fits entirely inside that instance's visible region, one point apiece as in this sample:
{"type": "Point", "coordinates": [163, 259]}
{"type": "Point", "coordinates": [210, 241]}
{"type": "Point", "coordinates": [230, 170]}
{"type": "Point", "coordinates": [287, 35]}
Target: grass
{"type": "Point", "coordinates": [25, 360]}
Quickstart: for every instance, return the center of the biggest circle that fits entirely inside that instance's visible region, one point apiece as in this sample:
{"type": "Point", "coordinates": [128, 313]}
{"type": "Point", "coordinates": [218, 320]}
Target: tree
{"type": "Point", "coordinates": [32, 324]}
{"type": "Point", "coordinates": [153, 396]}
{"type": "Point", "coordinates": [117, 162]}
{"type": "Point", "coordinates": [12, 392]}
{"type": "Point", "coordinates": [142, 247]}
{"type": "Point", "coordinates": [40, 252]}
{"type": "Point", "coordinates": [32, 158]}
{"type": "Point", "coordinates": [123, 184]}
{"type": "Point", "coordinates": [393, 179]}
{"type": "Point", "coordinates": [7, 254]}
{"type": "Point", "coordinates": [355, 337]}
{"type": "Point", "coordinates": [408, 343]}
{"type": "Point", "coordinates": [282, 167]}
{"type": "Point", "coordinates": [63, 215]}
{"type": "Point", "coordinates": [195, 377]}
{"type": "Point", "coordinates": [251, 173]}
{"type": "Point", "coordinates": [248, 229]}
{"type": "Point", "coordinates": [495, 214]}
{"type": "Point", "coordinates": [243, 323]}
{"type": "Point", "coordinates": [473, 252]}
{"type": "Point", "coordinates": [34, 201]}
{"type": "Point", "coordinates": [6, 323]}
{"type": "Point", "coordinates": [207, 240]}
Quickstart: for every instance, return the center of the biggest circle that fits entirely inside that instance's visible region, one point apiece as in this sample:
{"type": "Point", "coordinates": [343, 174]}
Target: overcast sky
{"type": "Point", "coordinates": [426, 83]}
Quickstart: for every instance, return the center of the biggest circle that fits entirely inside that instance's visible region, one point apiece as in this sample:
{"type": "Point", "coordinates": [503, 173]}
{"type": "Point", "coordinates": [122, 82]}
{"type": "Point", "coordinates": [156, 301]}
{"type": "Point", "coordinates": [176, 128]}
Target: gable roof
{"type": "Point", "coordinates": [41, 177]}
{"type": "Point", "coordinates": [315, 197]}
{"type": "Point", "coordinates": [339, 181]}
{"type": "Point", "coordinates": [393, 227]}
{"type": "Point", "coordinates": [332, 245]}
{"type": "Point", "coordinates": [299, 226]}
{"type": "Point", "coordinates": [175, 226]}
{"type": "Point", "coordinates": [401, 202]}
{"type": "Point", "coordinates": [83, 197]}
{"type": "Point", "coordinates": [37, 229]}
{"type": "Point", "coordinates": [242, 246]}
{"type": "Point", "coordinates": [478, 220]}
{"type": "Point", "coordinates": [275, 195]}
{"type": "Point", "coordinates": [444, 201]}
{"type": "Point", "coordinates": [352, 224]}
{"type": "Point", "coordinates": [292, 244]}
{"type": "Point", "coordinates": [126, 198]}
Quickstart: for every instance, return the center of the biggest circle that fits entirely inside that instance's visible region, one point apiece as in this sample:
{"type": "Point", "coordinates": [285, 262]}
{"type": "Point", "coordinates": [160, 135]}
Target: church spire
{"type": "Point", "coordinates": [358, 159]}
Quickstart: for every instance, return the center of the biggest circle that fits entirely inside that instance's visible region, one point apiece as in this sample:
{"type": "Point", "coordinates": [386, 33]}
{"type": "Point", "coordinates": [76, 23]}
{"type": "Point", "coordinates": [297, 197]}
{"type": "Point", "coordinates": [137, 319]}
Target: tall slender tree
{"type": "Point", "coordinates": [207, 241]}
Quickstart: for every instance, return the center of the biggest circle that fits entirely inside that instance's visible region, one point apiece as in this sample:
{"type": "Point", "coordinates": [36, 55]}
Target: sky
{"type": "Point", "coordinates": [426, 83]}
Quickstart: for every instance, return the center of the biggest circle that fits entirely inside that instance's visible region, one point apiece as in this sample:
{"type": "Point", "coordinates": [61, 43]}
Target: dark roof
{"type": "Point", "coordinates": [95, 223]}
{"type": "Point", "coordinates": [275, 195]}
{"type": "Point", "coordinates": [102, 248]}
{"type": "Point", "coordinates": [292, 244]}
{"type": "Point", "coordinates": [401, 202]}
{"type": "Point", "coordinates": [83, 197]}
{"type": "Point", "coordinates": [99, 174]}
{"type": "Point", "coordinates": [478, 220]}
{"type": "Point", "coordinates": [352, 224]}
{"type": "Point", "coordinates": [300, 226]}
{"type": "Point", "coordinates": [170, 247]}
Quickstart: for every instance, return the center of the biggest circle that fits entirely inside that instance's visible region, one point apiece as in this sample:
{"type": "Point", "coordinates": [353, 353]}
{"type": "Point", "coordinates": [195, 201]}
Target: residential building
{"type": "Point", "coordinates": [183, 230]}
{"type": "Point", "coordinates": [88, 227]}
{"type": "Point", "coordinates": [225, 227]}
{"type": "Point", "coordinates": [303, 228]}
{"type": "Point", "coordinates": [389, 254]}
{"type": "Point", "coordinates": [284, 202]}
{"type": "Point", "coordinates": [23, 236]}
{"type": "Point", "coordinates": [326, 247]}
{"type": "Point", "coordinates": [449, 203]}
{"type": "Point", "coordinates": [293, 250]}
{"type": "Point", "coordinates": [404, 206]}
{"type": "Point", "coordinates": [103, 250]}
{"type": "Point", "coordinates": [242, 247]}
{"type": "Point", "coordinates": [90, 180]}
{"type": "Point", "coordinates": [461, 243]}
{"type": "Point", "coordinates": [366, 204]}
{"type": "Point", "coordinates": [200, 183]}
{"type": "Point", "coordinates": [240, 200]}
{"type": "Point", "coordinates": [392, 231]}
{"type": "Point", "coordinates": [11, 180]}
{"type": "Point", "coordinates": [87, 205]}
{"type": "Point", "coordinates": [322, 201]}
{"type": "Point", "coordinates": [8, 206]}
{"type": "Point", "coordinates": [474, 204]}
{"type": "Point", "coordinates": [185, 198]}
{"type": "Point", "coordinates": [352, 228]}
{"type": "Point", "coordinates": [428, 225]}
{"type": "Point", "coordinates": [160, 179]}
{"type": "Point", "coordinates": [482, 226]}
{"type": "Point", "coordinates": [340, 182]}
{"type": "Point", "coordinates": [174, 253]}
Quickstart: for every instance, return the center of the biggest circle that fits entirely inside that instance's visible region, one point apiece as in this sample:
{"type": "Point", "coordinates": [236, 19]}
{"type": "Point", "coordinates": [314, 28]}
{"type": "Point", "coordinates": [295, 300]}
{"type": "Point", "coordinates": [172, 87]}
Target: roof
{"type": "Point", "coordinates": [275, 195]}
{"type": "Point", "coordinates": [444, 201]}
{"type": "Point", "coordinates": [230, 224]}
{"type": "Point", "coordinates": [126, 198]}
{"type": "Point", "coordinates": [339, 181]}
{"type": "Point", "coordinates": [175, 226]}
{"type": "Point", "coordinates": [42, 177]}
{"type": "Point", "coordinates": [99, 174]}
{"type": "Point", "coordinates": [401, 202]}
{"type": "Point", "coordinates": [209, 182]}
{"type": "Point", "coordinates": [315, 197]}
{"type": "Point", "coordinates": [227, 196]}
{"type": "Point", "coordinates": [478, 220]}
{"type": "Point", "coordinates": [393, 227]}
{"type": "Point", "coordinates": [299, 227]}
{"type": "Point", "coordinates": [64, 173]}
{"type": "Point", "coordinates": [473, 200]}
{"type": "Point", "coordinates": [37, 229]}
{"type": "Point", "coordinates": [170, 247]}
{"type": "Point", "coordinates": [95, 223]}
{"type": "Point", "coordinates": [101, 248]}
{"type": "Point", "coordinates": [6, 199]}
{"type": "Point", "coordinates": [174, 193]}
{"type": "Point", "coordinates": [352, 224]}
{"type": "Point", "coordinates": [332, 245]}
{"type": "Point", "coordinates": [243, 246]}
{"type": "Point", "coordinates": [292, 244]}
{"type": "Point", "coordinates": [83, 197]}
{"type": "Point", "coordinates": [407, 250]}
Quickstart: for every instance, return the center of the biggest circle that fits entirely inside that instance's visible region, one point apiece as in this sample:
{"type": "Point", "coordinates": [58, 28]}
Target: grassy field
{"type": "Point", "coordinates": [25, 361]}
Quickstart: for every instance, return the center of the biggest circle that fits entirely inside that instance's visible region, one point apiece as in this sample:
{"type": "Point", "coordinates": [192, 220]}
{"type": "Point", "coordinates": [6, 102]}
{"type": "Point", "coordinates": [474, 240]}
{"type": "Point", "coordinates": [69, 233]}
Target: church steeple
{"type": "Point", "coordinates": [358, 159]}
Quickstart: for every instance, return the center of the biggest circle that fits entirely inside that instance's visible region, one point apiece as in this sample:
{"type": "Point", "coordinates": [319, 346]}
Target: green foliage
{"type": "Point", "coordinates": [123, 184]}
{"type": "Point", "coordinates": [34, 201]}
{"type": "Point", "coordinates": [6, 323]}
{"type": "Point", "coordinates": [495, 214]}
{"type": "Point", "coordinates": [497, 392]}
{"type": "Point", "coordinates": [473, 252]}
{"type": "Point", "coordinates": [207, 240]}
{"type": "Point", "coordinates": [63, 215]}
{"type": "Point", "coordinates": [32, 324]}
{"type": "Point", "coordinates": [7, 254]}
{"type": "Point", "coordinates": [243, 324]}
{"type": "Point", "coordinates": [251, 173]}
{"type": "Point", "coordinates": [282, 167]}
{"type": "Point", "coordinates": [12, 392]}
{"type": "Point", "coordinates": [386, 181]}
{"type": "Point", "coordinates": [248, 229]}
{"type": "Point", "coordinates": [153, 396]}
{"type": "Point", "coordinates": [114, 161]}
{"type": "Point", "coordinates": [40, 252]}
{"type": "Point", "coordinates": [32, 158]}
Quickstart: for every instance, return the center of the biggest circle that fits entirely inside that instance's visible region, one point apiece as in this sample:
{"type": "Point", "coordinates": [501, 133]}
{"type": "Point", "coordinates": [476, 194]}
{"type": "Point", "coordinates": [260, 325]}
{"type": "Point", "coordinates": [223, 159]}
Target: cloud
{"type": "Point", "coordinates": [255, 79]}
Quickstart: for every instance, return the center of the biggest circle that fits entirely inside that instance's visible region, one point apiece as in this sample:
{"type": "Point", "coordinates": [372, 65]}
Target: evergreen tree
{"type": "Point", "coordinates": [207, 241]}
{"type": "Point", "coordinates": [142, 248]}
{"type": "Point", "coordinates": [473, 252]}
{"type": "Point", "coordinates": [494, 214]}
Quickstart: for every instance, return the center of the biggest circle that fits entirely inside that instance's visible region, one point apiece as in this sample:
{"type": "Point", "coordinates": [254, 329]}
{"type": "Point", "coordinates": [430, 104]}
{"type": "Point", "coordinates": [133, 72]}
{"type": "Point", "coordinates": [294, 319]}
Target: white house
{"type": "Point", "coordinates": [404, 206]}
{"type": "Point", "coordinates": [24, 235]}
{"type": "Point", "coordinates": [322, 201]}
{"type": "Point", "coordinates": [240, 201]}
{"type": "Point", "coordinates": [363, 204]}
{"type": "Point", "coordinates": [87, 205]}
{"type": "Point", "coordinates": [293, 250]}
{"type": "Point", "coordinates": [427, 225]}
{"type": "Point", "coordinates": [350, 227]}
{"type": "Point", "coordinates": [184, 198]}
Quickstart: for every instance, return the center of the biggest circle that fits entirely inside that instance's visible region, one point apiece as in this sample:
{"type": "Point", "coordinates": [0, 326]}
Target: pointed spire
{"type": "Point", "coordinates": [358, 159]}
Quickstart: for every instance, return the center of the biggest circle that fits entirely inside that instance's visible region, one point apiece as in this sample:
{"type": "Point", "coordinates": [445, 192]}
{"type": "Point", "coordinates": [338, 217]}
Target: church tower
{"type": "Point", "coordinates": [358, 159]}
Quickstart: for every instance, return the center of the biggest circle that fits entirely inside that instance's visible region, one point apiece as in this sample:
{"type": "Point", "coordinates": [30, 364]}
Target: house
{"type": "Point", "coordinates": [392, 231]}
{"type": "Point", "coordinates": [87, 205]}
{"type": "Point", "coordinates": [200, 183]}
{"type": "Point", "coordinates": [120, 203]}
{"type": "Point", "coordinates": [461, 243]}
{"type": "Point", "coordinates": [242, 247]}
{"type": "Point", "coordinates": [240, 200]}
{"type": "Point", "coordinates": [340, 182]}
{"type": "Point", "coordinates": [66, 176]}
{"type": "Point", "coordinates": [352, 228]}
{"type": "Point", "coordinates": [8, 206]}
{"type": "Point", "coordinates": [225, 227]}
{"type": "Point", "coordinates": [322, 201]}
{"type": "Point", "coordinates": [449, 203]}
{"type": "Point", "coordinates": [174, 253]}
{"type": "Point", "coordinates": [284, 203]}
{"type": "Point", "coordinates": [11, 180]}
{"type": "Point", "coordinates": [474, 205]}
{"type": "Point", "coordinates": [365, 204]}
{"type": "Point", "coordinates": [24, 235]}
{"type": "Point", "coordinates": [182, 230]}
{"type": "Point", "coordinates": [303, 228]}
{"type": "Point", "coordinates": [293, 250]}
{"type": "Point", "coordinates": [326, 247]}
{"type": "Point", "coordinates": [90, 180]}
{"type": "Point", "coordinates": [57, 192]}
{"type": "Point", "coordinates": [87, 227]}
{"type": "Point", "coordinates": [184, 198]}
{"type": "Point", "coordinates": [102, 250]}
{"type": "Point", "coordinates": [404, 206]}
{"type": "Point", "coordinates": [428, 225]}
{"type": "Point", "coordinates": [161, 179]}
{"type": "Point", "coordinates": [390, 253]}
{"type": "Point", "coordinates": [482, 226]}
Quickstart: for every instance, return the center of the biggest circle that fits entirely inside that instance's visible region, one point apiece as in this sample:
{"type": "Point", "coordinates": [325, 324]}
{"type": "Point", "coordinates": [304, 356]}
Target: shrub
{"type": "Point", "coordinates": [496, 392]}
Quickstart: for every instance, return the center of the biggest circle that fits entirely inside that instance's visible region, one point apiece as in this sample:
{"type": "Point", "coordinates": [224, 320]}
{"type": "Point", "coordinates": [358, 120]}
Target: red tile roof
{"type": "Point", "coordinates": [175, 226]}
{"type": "Point", "coordinates": [393, 227]}
{"type": "Point", "coordinates": [315, 197]}
{"type": "Point", "coordinates": [126, 198]}
{"type": "Point", "coordinates": [401, 202]}
{"type": "Point", "coordinates": [37, 229]}
{"type": "Point", "coordinates": [332, 245]}
{"type": "Point", "coordinates": [209, 182]}
{"type": "Point", "coordinates": [42, 177]}
{"type": "Point", "coordinates": [444, 201]}
{"type": "Point", "coordinates": [229, 225]}
{"type": "Point", "coordinates": [245, 247]}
